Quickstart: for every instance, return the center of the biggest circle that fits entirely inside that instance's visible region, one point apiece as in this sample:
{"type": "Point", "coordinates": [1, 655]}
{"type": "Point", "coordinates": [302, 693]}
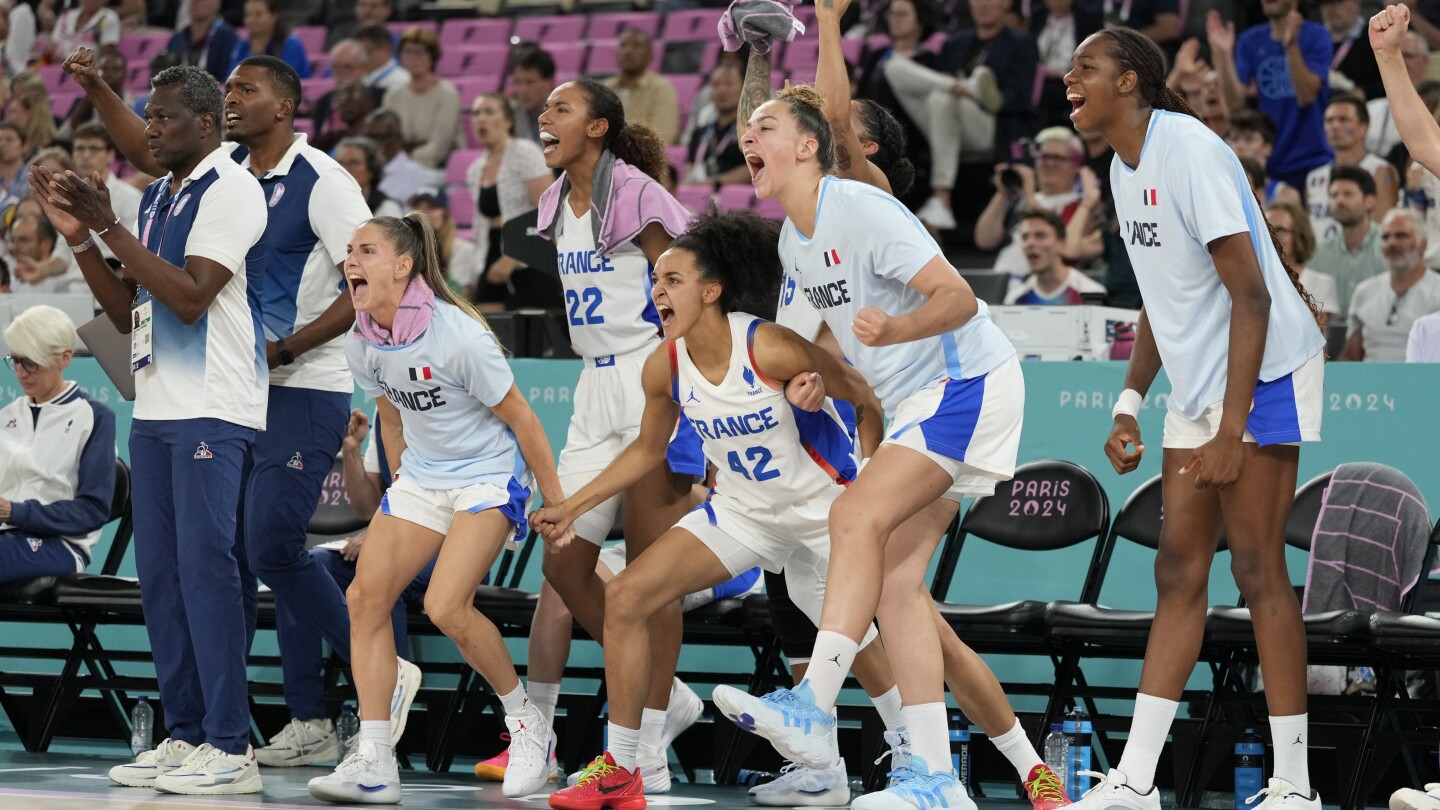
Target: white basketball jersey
{"type": "Point", "coordinates": [768, 453]}
{"type": "Point", "coordinates": [607, 298]}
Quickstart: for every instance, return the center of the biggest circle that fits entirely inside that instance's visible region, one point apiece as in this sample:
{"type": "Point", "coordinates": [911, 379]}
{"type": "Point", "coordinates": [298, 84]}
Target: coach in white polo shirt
{"type": "Point", "coordinates": [200, 396]}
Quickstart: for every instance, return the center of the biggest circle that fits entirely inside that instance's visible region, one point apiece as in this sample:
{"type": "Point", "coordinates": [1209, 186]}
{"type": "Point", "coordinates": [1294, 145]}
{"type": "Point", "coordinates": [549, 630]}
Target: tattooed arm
{"type": "Point", "coordinates": [756, 90]}
{"type": "Point", "coordinates": [832, 82]}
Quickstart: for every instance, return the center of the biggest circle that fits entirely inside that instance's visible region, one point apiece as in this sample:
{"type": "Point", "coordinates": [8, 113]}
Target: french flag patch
{"type": "Point", "coordinates": [418, 373]}
{"type": "Point", "coordinates": [1150, 198]}
{"type": "Point", "coordinates": [832, 258]}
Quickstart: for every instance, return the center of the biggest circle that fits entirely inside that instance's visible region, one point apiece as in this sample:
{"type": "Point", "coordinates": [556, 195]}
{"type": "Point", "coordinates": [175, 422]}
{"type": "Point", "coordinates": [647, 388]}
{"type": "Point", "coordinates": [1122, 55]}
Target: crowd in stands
{"type": "Point", "coordinates": [441, 115]}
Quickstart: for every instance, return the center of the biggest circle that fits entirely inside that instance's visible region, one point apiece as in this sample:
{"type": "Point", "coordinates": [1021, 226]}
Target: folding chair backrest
{"type": "Point", "coordinates": [1305, 514]}
{"type": "Point", "coordinates": [334, 517]}
{"type": "Point", "coordinates": [119, 510]}
{"type": "Point", "coordinates": [1047, 505]}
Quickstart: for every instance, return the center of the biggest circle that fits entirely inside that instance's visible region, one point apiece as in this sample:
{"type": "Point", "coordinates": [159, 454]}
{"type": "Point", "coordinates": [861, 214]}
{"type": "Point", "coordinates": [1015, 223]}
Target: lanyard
{"type": "Point", "coordinates": [712, 157]}
{"type": "Point", "coordinates": [1344, 49]}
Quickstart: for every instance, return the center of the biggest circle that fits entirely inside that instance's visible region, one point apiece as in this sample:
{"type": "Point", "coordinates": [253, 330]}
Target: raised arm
{"type": "Point", "coordinates": [755, 91]}
{"type": "Point", "coordinates": [125, 127]}
{"type": "Point", "coordinates": [1417, 127]}
{"type": "Point", "coordinates": [832, 81]}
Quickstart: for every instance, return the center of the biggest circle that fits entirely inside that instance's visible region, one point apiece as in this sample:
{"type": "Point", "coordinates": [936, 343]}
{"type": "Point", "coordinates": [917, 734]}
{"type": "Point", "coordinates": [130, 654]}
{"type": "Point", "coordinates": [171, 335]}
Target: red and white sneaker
{"type": "Point", "coordinates": [1045, 789]}
{"type": "Point", "coordinates": [493, 769]}
{"type": "Point", "coordinates": [603, 785]}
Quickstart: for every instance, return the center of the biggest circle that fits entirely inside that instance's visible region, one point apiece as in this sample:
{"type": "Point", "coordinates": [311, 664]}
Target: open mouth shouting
{"type": "Point", "coordinates": [359, 287]}
{"type": "Point", "coordinates": [1076, 102]}
{"type": "Point", "coordinates": [756, 164]}
{"type": "Point", "coordinates": [549, 144]}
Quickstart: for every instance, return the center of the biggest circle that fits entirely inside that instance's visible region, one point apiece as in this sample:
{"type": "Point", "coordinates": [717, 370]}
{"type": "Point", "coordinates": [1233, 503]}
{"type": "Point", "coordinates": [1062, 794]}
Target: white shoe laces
{"type": "Point", "coordinates": [287, 737]}
{"type": "Point", "coordinates": [1275, 789]}
{"type": "Point", "coordinates": [1102, 782]}
{"type": "Point", "coordinates": [200, 760]}
{"type": "Point", "coordinates": [526, 747]}
{"type": "Point", "coordinates": [160, 754]}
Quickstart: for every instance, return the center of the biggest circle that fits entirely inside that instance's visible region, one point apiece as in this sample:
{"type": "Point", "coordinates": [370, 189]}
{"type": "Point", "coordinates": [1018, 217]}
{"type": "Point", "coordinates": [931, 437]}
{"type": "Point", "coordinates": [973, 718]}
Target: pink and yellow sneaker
{"type": "Point", "coordinates": [493, 769]}
{"type": "Point", "coordinates": [602, 786]}
{"type": "Point", "coordinates": [1045, 789]}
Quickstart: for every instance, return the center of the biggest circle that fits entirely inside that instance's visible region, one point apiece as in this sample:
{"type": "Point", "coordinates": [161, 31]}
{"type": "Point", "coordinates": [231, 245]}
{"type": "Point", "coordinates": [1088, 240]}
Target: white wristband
{"type": "Point", "coordinates": [1127, 403]}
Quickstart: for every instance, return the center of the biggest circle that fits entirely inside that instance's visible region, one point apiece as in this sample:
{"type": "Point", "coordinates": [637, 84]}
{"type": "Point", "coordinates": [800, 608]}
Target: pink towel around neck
{"type": "Point", "coordinates": [412, 318]}
{"type": "Point", "coordinates": [623, 200]}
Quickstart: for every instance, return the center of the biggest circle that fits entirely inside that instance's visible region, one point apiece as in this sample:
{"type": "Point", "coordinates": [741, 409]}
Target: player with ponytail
{"type": "Point", "coordinates": [1238, 338]}
{"type": "Point", "coordinates": [469, 452]}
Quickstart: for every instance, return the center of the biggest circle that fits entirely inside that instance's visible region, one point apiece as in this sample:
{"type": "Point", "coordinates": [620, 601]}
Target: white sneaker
{"type": "Point", "coordinates": [532, 749]}
{"type": "Point", "coordinates": [654, 770]}
{"type": "Point", "coordinates": [798, 786]}
{"type": "Point", "coordinates": [365, 777]}
{"type": "Point", "coordinates": [917, 788]}
{"type": "Point", "coordinates": [148, 765]}
{"type": "Point", "coordinates": [407, 683]}
{"type": "Point", "coordinates": [685, 708]}
{"type": "Point", "coordinates": [1281, 795]}
{"type": "Point", "coordinates": [937, 215]}
{"type": "Point", "coordinates": [788, 718]}
{"type": "Point", "coordinates": [208, 771]}
{"type": "Point", "coordinates": [1110, 791]}
{"type": "Point", "coordinates": [985, 90]}
{"type": "Point", "coordinates": [301, 742]}
{"type": "Point", "coordinates": [899, 754]}
{"type": "Point", "coordinates": [1412, 799]}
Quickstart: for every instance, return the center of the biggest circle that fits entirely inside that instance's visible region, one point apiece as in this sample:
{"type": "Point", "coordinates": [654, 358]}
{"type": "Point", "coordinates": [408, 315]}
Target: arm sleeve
{"type": "Point", "coordinates": [481, 365]}
{"type": "Point", "coordinates": [90, 507]}
{"type": "Point", "coordinates": [895, 244]}
{"type": "Point", "coordinates": [442, 129]}
{"type": "Point", "coordinates": [231, 219]}
{"type": "Point", "coordinates": [337, 209]}
{"type": "Point", "coordinates": [1204, 180]}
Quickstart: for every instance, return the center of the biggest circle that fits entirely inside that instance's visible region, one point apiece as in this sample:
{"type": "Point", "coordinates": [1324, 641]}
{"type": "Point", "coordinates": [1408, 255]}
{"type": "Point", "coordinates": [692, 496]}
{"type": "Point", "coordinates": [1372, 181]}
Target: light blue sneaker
{"type": "Point", "coordinates": [915, 787]}
{"type": "Point", "coordinates": [788, 718]}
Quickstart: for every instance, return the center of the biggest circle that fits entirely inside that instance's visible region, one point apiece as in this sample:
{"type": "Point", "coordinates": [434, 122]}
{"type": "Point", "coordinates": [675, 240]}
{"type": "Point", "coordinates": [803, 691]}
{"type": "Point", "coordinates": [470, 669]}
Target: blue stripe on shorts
{"type": "Point", "coordinates": [1274, 417]}
{"type": "Point", "coordinates": [949, 430]}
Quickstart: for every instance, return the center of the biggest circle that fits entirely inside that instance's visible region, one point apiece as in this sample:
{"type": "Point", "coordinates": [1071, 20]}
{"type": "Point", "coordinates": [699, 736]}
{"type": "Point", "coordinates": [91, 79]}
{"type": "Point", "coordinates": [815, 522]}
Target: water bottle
{"type": "Point", "coordinates": [142, 727]}
{"type": "Point", "coordinates": [1078, 729]}
{"type": "Point", "coordinates": [1249, 768]}
{"type": "Point", "coordinates": [1057, 754]}
{"type": "Point", "coordinates": [960, 748]}
{"type": "Point", "coordinates": [347, 728]}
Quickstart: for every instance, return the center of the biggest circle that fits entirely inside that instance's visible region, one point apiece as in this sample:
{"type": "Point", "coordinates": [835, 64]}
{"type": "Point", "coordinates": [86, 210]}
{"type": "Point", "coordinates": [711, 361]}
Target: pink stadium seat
{"type": "Point", "coordinates": [63, 99]}
{"type": "Point", "coordinates": [687, 86]}
{"type": "Point", "coordinates": [601, 61]}
{"type": "Point", "coordinates": [312, 89]}
{"type": "Point", "coordinates": [53, 76]}
{"type": "Point", "coordinates": [474, 61]}
{"type": "Point", "coordinates": [691, 24]}
{"type": "Point", "coordinates": [935, 42]}
{"type": "Point", "coordinates": [736, 197]}
{"type": "Point", "coordinates": [140, 47]}
{"type": "Point", "coordinates": [569, 56]}
{"type": "Point", "coordinates": [319, 64]}
{"type": "Point", "coordinates": [695, 198]}
{"type": "Point", "coordinates": [801, 56]}
{"type": "Point", "coordinates": [137, 78]}
{"type": "Point", "coordinates": [709, 57]}
{"type": "Point", "coordinates": [459, 164]}
{"type": "Point", "coordinates": [853, 49]}
{"type": "Point", "coordinates": [611, 25]}
{"type": "Point", "coordinates": [462, 208]}
{"type": "Point", "coordinates": [471, 86]}
{"type": "Point", "coordinates": [770, 209]}
{"type": "Point", "coordinates": [312, 37]}
{"type": "Point", "coordinates": [675, 155]}
{"type": "Point", "coordinates": [488, 31]}
{"type": "Point", "coordinates": [551, 30]}
{"type": "Point", "coordinates": [398, 28]}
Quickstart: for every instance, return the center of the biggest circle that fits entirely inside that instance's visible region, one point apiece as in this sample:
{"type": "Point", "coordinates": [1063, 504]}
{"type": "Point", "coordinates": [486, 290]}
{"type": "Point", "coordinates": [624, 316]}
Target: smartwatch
{"type": "Point", "coordinates": [286, 356]}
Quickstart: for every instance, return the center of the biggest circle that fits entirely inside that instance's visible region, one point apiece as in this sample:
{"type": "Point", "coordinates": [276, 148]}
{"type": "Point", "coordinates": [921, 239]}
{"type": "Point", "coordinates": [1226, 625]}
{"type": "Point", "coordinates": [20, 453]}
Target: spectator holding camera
{"type": "Point", "coordinates": [1052, 184]}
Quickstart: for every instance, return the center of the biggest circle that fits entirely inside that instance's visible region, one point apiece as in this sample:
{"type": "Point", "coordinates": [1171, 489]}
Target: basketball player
{"type": "Point", "coordinates": [1239, 340]}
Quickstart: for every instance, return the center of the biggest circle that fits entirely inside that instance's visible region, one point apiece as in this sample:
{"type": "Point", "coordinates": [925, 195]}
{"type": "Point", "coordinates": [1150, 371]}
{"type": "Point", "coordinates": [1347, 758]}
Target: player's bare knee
{"type": "Point", "coordinates": [366, 607]}
{"type": "Point", "coordinates": [1181, 574]}
{"type": "Point", "coordinates": [448, 614]}
{"type": "Point", "coordinates": [1257, 575]}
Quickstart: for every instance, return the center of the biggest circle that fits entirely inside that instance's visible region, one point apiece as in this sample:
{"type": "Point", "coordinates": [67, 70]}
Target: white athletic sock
{"type": "Point", "coordinates": [1290, 737]}
{"type": "Point", "coordinates": [544, 696]}
{"type": "Point", "coordinates": [377, 732]}
{"type": "Point", "coordinates": [1017, 748]}
{"type": "Point", "coordinates": [929, 731]}
{"type": "Point", "coordinates": [652, 730]}
{"type": "Point", "coordinates": [1148, 730]}
{"type": "Point", "coordinates": [624, 742]}
{"type": "Point", "coordinates": [889, 706]}
{"type": "Point", "coordinates": [514, 702]}
{"type": "Point", "coordinates": [829, 664]}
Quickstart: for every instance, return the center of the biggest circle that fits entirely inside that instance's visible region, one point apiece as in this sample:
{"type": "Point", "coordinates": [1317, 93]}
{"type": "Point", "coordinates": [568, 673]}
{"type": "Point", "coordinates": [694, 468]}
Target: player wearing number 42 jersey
{"type": "Point", "coordinates": [779, 468]}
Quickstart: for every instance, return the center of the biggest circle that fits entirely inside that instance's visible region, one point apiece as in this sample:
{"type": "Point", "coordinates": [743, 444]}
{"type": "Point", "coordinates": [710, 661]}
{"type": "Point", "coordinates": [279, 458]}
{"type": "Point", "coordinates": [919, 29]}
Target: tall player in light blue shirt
{"type": "Point", "coordinates": [952, 389]}
{"type": "Point", "coordinates": [464, 463]}
{"type": "Point", "coordinates": [1238, 336]}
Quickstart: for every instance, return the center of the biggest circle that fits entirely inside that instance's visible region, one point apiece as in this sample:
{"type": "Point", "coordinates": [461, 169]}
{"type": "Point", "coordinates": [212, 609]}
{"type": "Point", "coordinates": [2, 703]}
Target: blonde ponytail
{"type": "Point", "coordinates": [414, 236]}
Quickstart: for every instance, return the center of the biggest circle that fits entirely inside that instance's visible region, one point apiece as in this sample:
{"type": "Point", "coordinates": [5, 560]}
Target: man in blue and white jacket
{"type": "Point", "coordinates": [57, 455]}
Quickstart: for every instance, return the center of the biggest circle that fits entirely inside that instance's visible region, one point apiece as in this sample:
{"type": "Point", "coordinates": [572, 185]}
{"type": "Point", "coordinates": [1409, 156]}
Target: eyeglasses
{"type": "Point", "coordinates": [1042, 158]}
{"type": "Point", "coordinates": [15, 361]}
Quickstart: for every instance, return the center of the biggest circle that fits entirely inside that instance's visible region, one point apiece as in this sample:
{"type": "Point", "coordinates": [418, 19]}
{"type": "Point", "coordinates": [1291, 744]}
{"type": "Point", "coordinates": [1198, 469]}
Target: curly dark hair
{"type": "Point", "coordinates": [884, 130]}
{"type": "Point", "coordinates": [1133, 51]}
{"type": "Point", "coordinates": [636, 143]}
{"type": "Point", "coordinates": [740, 250]}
